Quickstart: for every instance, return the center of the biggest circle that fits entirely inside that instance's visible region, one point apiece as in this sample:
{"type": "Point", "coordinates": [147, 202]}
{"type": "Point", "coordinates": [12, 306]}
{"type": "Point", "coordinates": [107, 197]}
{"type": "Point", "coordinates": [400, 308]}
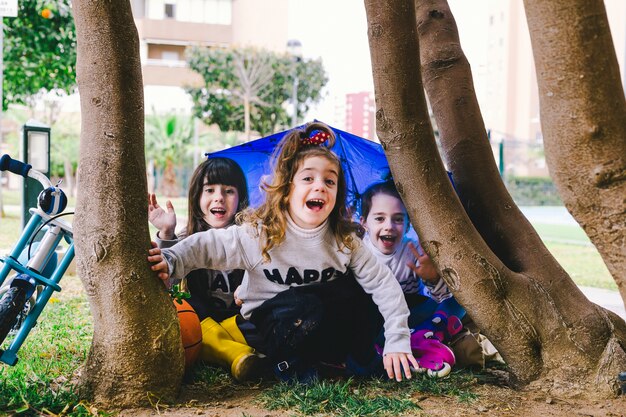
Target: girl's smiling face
{"type": "Point", "coordinates": [313, 192]}
{"type": "Point", "coordinates": [219, 203]}
{"type": "Point", "coordinates": [386, 223]}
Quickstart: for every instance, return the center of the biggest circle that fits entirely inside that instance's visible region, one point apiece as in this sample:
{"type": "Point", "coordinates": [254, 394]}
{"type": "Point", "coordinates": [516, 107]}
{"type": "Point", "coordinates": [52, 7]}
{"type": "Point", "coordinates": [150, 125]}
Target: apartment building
{"type": "Point", "coordinates": [507, 84]}
{"type": "Point", "coordinates": [360, 114]}
{"type": "Point", "coordinates": [168, 27]}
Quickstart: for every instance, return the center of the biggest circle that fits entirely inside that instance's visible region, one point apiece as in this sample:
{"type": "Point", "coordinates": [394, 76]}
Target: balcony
{"type": "Point", "coordinates": [170, 31]}
{"type": "Point", "coordinates": [169, 73]}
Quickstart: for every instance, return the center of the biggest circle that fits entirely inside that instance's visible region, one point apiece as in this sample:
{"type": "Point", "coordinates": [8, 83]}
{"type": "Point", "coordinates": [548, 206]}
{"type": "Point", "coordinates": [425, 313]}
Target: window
{"type": "Point", "coordinates": [169, 56]}
{"type": "Point", "coordinates": [170, 11]}
{"type": "Point", "coordinates": [218, 12]}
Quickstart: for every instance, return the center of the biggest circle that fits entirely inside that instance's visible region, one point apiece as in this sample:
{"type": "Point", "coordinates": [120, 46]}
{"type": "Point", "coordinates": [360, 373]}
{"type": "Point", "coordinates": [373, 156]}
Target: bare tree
{"type": "Point", "coordinates": [136, 350]}
{"type": "Point", "coordinates": [254, 73]}
{"type": "Point", "coordinates": [488, 254]}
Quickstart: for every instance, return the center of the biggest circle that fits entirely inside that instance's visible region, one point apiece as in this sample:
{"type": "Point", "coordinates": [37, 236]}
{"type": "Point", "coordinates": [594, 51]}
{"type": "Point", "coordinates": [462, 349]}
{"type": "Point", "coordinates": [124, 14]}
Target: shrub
{"type": "Point", "coordinates": [533, 191]}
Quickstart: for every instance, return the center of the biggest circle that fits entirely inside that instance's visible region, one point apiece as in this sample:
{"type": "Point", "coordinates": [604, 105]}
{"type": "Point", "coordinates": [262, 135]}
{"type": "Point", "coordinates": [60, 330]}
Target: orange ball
{"type": "Point", "coordinates": [190, 332]}
{"type": "Point", "coordinates": [46, 13]}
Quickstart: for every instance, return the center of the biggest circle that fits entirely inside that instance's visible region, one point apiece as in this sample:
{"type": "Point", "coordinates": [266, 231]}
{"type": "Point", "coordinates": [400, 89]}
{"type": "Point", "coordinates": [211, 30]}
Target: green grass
{"type": "Point", "coordinates": [366, 397]}
{"type": "Point", "coordinates": [572, 248]}
{"type": "Point", "coordinates": [9, 229]}
{"type": "Point", "coordinates": [583, 263]}
{"type": "Point", "coordinates": [41, 381]}
{"type": "Point", "coordinates": [12, 197]}
{"type": "Point", "coordinates": [560, 232]}
{"type": "Point", "coordinates": [342, 398]}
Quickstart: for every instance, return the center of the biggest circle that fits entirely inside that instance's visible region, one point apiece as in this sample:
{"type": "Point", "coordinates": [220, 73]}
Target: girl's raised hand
{"type": "Point", "coordinates": [425, 267]}
{"type": "Point", "coordinates": [162, 219]}
{"type": "Point", "coordinates": [399, 364]}
{"type": "Point", "coordinates": [159, 264]}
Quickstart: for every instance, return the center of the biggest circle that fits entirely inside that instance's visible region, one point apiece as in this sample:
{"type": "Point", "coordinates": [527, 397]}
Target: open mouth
{"type": "Point", "coordinates": [315, 205]}
{"type": "Point", "coordinates": [388, 240]}
{"type": "Point", "coordinates": [218, 211]}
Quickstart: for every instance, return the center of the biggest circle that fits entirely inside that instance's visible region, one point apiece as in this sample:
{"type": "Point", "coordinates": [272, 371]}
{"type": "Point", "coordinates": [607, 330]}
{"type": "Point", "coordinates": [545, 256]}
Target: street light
{"type": "Point", "coordinates": [294, 48]}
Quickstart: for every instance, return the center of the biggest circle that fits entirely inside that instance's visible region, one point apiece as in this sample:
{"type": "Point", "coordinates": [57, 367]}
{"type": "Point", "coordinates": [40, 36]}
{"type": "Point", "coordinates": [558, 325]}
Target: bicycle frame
{"type": "Point", "coordinates": [32, 271]}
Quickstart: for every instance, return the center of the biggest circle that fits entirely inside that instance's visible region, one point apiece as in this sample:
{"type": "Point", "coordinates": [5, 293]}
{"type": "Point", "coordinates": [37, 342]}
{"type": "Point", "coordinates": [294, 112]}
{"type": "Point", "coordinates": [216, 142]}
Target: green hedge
{"type": "Point", "coordinates": [533, 191]}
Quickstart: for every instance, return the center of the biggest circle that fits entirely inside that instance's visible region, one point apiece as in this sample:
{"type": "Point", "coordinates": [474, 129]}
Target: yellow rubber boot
{"type": "Point", "coordinates": [230, 325]}
{"type": "Point", "coordinates": [219, 348]}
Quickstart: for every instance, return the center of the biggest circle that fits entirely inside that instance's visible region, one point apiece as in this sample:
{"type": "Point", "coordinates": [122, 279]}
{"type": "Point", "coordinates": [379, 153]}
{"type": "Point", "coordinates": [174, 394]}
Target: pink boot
{"type": "Point", "coordinates": [432, 355]}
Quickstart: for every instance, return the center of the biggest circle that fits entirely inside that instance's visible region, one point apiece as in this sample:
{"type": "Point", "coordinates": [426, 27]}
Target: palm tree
{"type": "Point", "coordinates": [167, 138]}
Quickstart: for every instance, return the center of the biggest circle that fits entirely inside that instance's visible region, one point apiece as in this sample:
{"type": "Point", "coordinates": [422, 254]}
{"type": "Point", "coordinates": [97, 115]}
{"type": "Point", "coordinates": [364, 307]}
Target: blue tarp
{"type": "Point", "coordinates": [363, 162]}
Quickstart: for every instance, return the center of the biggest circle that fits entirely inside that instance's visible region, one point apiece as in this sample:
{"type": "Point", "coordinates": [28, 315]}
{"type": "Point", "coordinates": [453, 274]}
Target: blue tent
{"type": "Point", "coordinates": [363, 162]}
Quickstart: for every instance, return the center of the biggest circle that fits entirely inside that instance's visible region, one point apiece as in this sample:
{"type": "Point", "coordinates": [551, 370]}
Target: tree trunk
{"type": "Point", "coordinates": [169, 184]}
{"type": "Point", "coordinates": [136, 352]}
{"type": "Point", "coordinates": [583, 119]}
{"type": "Point", "coordinates": [494, 263]}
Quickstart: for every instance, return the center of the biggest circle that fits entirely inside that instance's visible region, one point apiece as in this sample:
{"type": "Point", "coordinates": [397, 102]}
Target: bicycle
{"type": "Point", "coordinates": [28, 291]}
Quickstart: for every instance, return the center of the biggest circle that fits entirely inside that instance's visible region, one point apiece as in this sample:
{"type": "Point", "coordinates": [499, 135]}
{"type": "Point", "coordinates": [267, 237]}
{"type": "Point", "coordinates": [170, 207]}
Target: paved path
{"type": "Point", "coordinates": [548, 214]}
{"type": "Point", "coordinates": [608, 299]}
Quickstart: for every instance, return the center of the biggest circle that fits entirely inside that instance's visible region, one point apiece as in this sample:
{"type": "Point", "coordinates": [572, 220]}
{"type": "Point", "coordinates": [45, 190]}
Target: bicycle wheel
{"type": "Point", "coordinates": [11, 304]}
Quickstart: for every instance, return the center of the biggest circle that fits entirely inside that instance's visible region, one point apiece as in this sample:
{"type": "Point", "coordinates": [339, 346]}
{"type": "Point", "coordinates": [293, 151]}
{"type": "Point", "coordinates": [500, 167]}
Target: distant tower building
{"type": "Point", "coordinates": [360, 118]}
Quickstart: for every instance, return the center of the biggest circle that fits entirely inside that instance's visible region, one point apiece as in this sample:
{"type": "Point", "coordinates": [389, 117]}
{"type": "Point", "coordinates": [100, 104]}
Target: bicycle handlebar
{"type": "Point", "coordinates": [25, 170]}
{"type": "Point", "coordinates": [14, 166]}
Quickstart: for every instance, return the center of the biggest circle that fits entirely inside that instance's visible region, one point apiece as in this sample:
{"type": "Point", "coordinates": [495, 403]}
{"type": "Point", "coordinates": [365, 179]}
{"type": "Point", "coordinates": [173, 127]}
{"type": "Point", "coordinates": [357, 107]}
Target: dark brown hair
{"type": "Point", "coordinates": [219, 170]}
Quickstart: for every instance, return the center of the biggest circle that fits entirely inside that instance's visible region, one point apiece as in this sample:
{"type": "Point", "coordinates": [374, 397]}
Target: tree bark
{"type": "Point", "coordinates": [541, 323]}
{"type": "Point", "coordinates": [136, 352]}
{"type": "Point", "coordinates": [583, 119]}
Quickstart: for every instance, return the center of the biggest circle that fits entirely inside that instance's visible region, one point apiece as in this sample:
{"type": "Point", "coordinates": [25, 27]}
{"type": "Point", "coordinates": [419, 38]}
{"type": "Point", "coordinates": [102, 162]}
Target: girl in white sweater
{"type": "Point", "coordinates": [303, 260]}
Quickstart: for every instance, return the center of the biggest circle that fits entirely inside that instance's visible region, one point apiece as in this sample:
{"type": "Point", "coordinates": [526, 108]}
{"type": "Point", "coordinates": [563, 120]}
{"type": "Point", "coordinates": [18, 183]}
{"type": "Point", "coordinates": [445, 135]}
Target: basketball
{"type": "Point", "coordinates": [190, 332]}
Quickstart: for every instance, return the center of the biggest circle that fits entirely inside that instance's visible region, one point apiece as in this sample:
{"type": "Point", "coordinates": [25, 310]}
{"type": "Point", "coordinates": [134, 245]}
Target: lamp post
{"type": "Point", "coordinates": [294, 48]}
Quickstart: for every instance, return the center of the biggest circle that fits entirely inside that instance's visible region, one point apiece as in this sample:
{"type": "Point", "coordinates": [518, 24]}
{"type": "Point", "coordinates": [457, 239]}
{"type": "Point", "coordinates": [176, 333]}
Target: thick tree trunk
{"type": "Point", "coordinates": [136, 353]}
{"type": "Point", "coordinates": [520, 307]}
{"type": "Point", "coordinates": [583, 119]}
{"type": "Point", "coordinates": [448, 81]}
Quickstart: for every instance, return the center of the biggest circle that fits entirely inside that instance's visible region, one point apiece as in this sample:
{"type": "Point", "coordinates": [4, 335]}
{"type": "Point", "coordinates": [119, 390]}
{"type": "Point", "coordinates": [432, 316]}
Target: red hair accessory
{"type": "Point", "coordinates": [316, 139]}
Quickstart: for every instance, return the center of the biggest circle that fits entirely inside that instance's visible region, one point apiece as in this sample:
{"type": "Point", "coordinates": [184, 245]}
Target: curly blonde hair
{"type": "Point", "coordinates": [287, 158]}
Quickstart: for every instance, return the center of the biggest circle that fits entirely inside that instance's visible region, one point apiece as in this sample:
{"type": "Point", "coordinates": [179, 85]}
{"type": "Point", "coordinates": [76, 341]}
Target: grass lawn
{"type": "Point", "coordinates": [39, 384]}
{"type": "Point", "coordinates": [41, 381]}
{"type": "Point", "coordinates": [561, 232]}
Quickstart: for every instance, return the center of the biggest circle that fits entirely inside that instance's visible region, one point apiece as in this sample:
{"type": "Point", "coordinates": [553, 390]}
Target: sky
{"type": "Point", "coordinates": [336, 30]}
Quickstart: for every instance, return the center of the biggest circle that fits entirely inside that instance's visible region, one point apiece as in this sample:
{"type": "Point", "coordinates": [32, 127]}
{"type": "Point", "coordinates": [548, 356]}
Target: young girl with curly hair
{"type": "Point", "coordinates": [310, 281]}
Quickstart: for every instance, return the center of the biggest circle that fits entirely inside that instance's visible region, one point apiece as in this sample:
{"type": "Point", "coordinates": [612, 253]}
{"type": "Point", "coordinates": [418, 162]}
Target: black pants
{"type": "Point", "coordinates": [320, 322]}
